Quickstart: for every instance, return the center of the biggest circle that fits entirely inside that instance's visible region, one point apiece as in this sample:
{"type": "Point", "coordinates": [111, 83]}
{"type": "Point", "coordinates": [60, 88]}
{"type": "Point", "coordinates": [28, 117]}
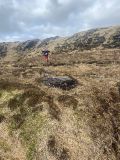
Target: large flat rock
{"type": "Point", "coordinates": [63, 82]}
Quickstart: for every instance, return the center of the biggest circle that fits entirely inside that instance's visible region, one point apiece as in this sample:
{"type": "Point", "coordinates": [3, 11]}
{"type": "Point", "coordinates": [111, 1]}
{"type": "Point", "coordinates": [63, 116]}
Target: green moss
{"type": "Point", "coordinates": [27, 100]}
{"type": "Point", "coordinates": [22, 106]}
{"type": "Point", "coordinates": [31, 151]}
{"type": "Point", "coordinates": [15, 102]}
{"type": "Point", "coordinates": [5, 95]}
{"type": "Point", "coordinates": [29, 130]}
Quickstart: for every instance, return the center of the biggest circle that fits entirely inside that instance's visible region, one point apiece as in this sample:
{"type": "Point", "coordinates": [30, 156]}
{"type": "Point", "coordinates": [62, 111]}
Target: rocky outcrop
{"type": "Point", "coordinates": [114, 41]}
{"type": "Point", "coordinates": [63, 82]}
{"type": "Point", "coordinates": [34, 44]}
{"type": "Point", "coordinates": [47, 41]}
{"type": "Point", "coordinates": [27, 45]}
{"type": "Point", "coordinates": [3, 49]}
{"type": "Point", "coordinates": [103, 37]}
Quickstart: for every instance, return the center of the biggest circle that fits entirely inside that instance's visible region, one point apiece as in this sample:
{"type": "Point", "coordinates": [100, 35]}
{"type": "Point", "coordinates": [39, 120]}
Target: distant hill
{"type": "Point", "coordinates": [94, 38]}
{"type": "Point", "coordinates": [87, 40]}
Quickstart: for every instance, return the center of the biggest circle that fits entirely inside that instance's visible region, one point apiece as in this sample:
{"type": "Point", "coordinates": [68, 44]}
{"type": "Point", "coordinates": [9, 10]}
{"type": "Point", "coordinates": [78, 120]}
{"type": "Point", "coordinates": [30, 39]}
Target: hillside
{"type": "Point", "coordinates": [95, 38]}
{"type": "Point", "coordinates": [43, 122]}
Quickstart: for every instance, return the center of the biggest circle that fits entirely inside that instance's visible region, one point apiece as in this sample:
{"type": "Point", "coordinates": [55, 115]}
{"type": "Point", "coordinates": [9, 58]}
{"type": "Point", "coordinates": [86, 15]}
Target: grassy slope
{"type": "Point", "coordinates": [37, 122]}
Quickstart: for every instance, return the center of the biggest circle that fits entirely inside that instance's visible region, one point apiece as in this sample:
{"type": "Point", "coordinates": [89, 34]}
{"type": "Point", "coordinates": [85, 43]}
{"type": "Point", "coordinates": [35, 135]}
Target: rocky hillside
{"type": "Point", "coordinates": [94, 38]}
{"type": "Point", "coordinates": [67, 109]}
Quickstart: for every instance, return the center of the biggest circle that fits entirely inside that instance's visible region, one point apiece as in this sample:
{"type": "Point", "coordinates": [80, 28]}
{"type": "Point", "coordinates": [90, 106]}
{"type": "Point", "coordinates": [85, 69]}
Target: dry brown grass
{"type": "Point", "coordinates": [82, 123]}
{"type": "Point", "coordinates": [59, 153]}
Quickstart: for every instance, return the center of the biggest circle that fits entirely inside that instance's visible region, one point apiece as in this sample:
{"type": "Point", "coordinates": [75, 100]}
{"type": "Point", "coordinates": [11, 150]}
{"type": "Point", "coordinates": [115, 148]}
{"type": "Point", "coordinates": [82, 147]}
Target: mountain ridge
{"type": "Point", "coordinates": [104, 38]}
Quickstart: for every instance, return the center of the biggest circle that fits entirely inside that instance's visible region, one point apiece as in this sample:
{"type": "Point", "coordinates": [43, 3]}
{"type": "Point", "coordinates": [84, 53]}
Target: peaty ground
{"type": "Point", "coordinates": [42, 123]}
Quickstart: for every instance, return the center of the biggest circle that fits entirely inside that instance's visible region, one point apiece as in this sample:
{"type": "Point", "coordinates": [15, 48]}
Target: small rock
{"type": "Point", "coordinates": [63, 82]}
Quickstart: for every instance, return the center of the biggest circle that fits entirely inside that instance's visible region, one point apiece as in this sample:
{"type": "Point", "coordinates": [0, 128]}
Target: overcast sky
{"type": "Point", "coordinates": [28, 19]}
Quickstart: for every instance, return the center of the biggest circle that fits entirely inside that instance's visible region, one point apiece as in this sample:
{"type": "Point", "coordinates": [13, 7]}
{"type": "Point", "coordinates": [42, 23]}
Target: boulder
{"type": "Point", "coordinates": [63, 82]}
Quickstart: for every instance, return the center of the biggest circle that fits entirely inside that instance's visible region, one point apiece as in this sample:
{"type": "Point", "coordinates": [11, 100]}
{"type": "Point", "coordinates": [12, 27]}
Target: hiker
{"type": "Point", "coordinates": [45, 54]}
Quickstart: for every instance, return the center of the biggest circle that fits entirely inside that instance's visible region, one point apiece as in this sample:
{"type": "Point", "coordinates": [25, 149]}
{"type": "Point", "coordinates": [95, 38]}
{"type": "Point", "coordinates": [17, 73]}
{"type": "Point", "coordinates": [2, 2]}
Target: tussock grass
{"type": "Point", "coordinates": [32, 126]}
{"type": "Point", "coordinates": [82, 123]}
{"type": "Point", "coordinates": [68, 101]}
{"type": "Point", "coordinates": [4, 146]}
{"type": "Point", "coordinates": [59, 153]}
{"type": "Point", "coordinates": [2, 118]}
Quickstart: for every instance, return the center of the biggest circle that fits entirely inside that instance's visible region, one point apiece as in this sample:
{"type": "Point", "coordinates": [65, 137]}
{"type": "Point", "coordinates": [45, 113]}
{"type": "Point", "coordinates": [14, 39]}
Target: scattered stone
{"type": "Point", "coordinates": [63, 82]}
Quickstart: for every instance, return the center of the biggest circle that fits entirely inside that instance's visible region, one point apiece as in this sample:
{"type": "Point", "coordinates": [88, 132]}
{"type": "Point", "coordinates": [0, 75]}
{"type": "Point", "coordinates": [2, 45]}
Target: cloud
{"type": "Point", "coordinates": [104, 13]}
{"type": "Point", "coordinates": [23, 19]}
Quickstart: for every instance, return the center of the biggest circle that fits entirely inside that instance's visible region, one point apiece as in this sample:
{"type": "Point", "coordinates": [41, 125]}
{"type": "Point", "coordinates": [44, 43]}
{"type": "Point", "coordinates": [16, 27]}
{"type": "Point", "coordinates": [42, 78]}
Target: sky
{"type": "Point", "coordinates": [32, 19]}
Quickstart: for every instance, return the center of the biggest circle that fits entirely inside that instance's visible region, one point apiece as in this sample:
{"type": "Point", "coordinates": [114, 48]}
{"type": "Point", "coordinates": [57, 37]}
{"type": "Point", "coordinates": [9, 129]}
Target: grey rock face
{"type": "Point", "coordinates": [3, 50]}
{"type": "Point", "coordinates": [27, 45]}
{"type": "Point", "coordinates": [63, 82]}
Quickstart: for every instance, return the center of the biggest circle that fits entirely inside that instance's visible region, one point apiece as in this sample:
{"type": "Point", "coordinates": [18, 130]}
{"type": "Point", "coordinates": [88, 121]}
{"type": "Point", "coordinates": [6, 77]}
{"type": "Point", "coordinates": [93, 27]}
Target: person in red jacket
{"type": "Point", "coordinates": [45, 54]}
